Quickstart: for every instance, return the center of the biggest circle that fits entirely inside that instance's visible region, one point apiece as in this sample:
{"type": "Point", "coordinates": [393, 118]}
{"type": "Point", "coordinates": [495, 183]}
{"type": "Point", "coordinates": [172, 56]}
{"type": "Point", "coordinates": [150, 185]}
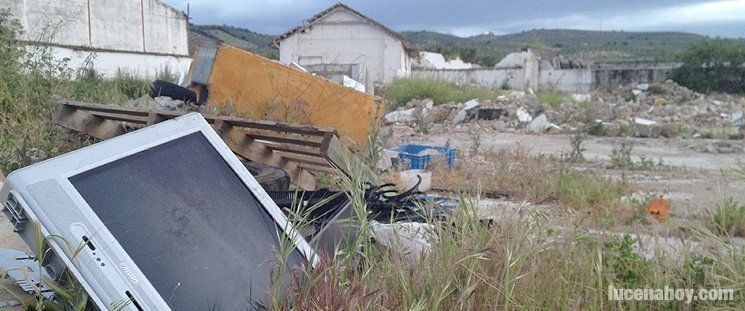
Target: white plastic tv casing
{"type": "Point", "coordinates": [122, 274]}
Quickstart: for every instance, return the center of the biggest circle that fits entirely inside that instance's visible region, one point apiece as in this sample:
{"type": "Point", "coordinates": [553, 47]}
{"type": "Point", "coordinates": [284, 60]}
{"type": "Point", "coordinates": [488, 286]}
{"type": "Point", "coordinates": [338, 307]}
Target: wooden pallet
{"type": "Point", "coordinates": [297, 149]}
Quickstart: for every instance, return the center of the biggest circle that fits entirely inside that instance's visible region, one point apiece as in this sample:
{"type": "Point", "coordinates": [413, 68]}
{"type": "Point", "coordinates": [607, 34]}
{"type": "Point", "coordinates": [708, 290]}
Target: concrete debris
{"type": "Point", "coordinates": [168, 103]}
{"type": "Point", "coordinates": [408, 240]}
{"type": "Point", "coordinates": [737, 116]}
{"type": "Point", "coordinates": [646, 128]}
{"type": "Point", "coordinates": [463, 113]}
{"type": "Point", "coordinates": [523, 116]}
{"type": "Point", "coordinates": [406, 115]}
{"type": "Point", "coordinates": [581, 97]}
{"type": "Point", "coordinates": [643, 110]}
{"type": "Point", "coordinates": [539, 124]}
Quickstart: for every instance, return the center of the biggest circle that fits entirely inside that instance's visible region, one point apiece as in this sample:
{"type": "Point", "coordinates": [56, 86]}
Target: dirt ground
{"type": "Point", "coordinates": [692, 178]}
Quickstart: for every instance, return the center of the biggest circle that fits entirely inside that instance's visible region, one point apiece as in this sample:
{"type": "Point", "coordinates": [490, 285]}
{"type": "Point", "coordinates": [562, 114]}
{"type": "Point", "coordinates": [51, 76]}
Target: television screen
{"type": "Point", "coordinates": [189, 223]}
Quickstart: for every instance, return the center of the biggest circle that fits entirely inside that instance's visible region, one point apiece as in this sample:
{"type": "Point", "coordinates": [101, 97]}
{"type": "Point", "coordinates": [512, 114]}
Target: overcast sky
{"type": "Point", "coordinates": [470, 17]}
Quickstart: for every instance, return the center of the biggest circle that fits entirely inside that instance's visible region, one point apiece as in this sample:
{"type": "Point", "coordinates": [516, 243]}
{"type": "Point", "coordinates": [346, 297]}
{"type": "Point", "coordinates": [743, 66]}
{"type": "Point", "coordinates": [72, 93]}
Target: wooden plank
{"type": "Point", "coordinates": [84, 122]}
{"type": "Point", "coordinates": [293, 149]}
{"type": "Point", "coordinates": [313, 168]}
{"type": "Point", "coordinates": [292, 152]}
{"type": "Point", "coordinates": [303, 141]}
{"type": "Point", "coordinates": [107, 108]}
{"type": "Point", "coordinates": [275, 126]}
{"type": "Point", "coordinates": [119, 117]}
{"type": "Point", "coordinates": [343, 159]}
{"type": "Point", "coordinates": [153, 118]}
{"type": "Point", "coordinates": [257, 124]}
{"type": "Point", "coordinates": [312, 160]}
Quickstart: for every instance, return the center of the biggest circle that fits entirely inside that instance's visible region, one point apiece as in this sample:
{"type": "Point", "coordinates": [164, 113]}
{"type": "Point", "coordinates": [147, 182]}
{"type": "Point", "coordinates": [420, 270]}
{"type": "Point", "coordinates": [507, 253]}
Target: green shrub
{"type": "Point", "coordinates": [403, 90]}
{"type": "Point", "coordinates": [552, 98]}
{"type": "Point", "coordinates": [713, 66]}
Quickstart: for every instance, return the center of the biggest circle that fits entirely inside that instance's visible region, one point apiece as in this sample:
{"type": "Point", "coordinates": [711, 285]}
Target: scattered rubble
{"type": "Point", "coordinates": [656, 110]}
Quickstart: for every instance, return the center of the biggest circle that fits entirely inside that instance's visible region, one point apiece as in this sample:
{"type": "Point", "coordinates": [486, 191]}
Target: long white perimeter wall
{"type": "Point", "coordinates": [576, 80]}
{"type": "Point", "coordinates": [139, 37]}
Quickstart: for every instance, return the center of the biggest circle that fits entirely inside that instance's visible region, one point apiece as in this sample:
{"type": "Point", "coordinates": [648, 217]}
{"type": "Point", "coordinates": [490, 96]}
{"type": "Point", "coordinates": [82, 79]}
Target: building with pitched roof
{"type": "Point", "coordinates": [343, 41]}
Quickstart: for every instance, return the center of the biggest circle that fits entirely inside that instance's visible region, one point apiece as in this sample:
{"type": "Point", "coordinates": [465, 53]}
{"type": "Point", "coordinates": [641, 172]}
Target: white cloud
{"type": "Point", "coordinates": [708, 13]}
{"type": "Point", "coordinates": [467, 31]}
{"type": "Point", "coordinates": [225, 9]}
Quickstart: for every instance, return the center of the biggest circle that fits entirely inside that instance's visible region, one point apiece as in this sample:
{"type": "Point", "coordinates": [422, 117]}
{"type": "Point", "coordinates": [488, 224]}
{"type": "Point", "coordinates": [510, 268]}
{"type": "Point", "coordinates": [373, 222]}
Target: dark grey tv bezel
{"type": "Point", "coordinates": [124, 275]}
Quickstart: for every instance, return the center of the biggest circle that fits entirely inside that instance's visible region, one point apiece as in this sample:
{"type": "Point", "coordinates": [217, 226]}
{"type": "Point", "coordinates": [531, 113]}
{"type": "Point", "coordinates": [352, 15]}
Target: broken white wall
{"type": "Point", "coordinates": [342, 37]}
{"type": "Point", "coordinates": [433, 60]}
{"type": "Point", "coordinates": [515, 59]}
{"type": "Point", "coordinates": [488, 77]}
{"type": "Point", "coordinates": [578, 80]}
{"type": "Point", "coordinates": [140, 37]}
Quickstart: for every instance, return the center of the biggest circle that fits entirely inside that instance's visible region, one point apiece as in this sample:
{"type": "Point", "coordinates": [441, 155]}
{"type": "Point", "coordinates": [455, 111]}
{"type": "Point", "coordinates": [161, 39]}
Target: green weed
{"type": "Point", "coordinates": [403, 90]}
{"type": "Point", "coordinates": [729, 218]}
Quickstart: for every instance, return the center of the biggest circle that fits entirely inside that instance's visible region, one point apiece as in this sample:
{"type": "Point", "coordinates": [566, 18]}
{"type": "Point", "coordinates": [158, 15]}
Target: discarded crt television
{"type": "Point", "coordinates": [165, 217]}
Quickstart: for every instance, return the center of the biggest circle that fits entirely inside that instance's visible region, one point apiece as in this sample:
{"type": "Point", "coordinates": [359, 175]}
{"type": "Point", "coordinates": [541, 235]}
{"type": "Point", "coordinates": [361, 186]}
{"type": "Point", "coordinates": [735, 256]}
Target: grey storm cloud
{"type": "Point", "coordinates": [471, 17]}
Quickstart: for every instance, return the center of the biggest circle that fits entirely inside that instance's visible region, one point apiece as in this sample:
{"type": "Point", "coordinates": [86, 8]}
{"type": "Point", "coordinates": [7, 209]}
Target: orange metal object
{"type": "Point", "coordinates": [255, 87]}
{"type": "Point", "coordinates": [659, 209]}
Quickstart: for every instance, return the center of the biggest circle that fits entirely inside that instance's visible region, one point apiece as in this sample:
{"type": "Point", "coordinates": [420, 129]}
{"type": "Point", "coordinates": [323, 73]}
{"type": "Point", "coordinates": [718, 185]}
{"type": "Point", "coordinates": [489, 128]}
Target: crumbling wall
{"type": "Point", "coordinates": [140, 37]}
{"type": "Point", "coordinates": [536, 77]}
{"type": "Point", "coordinates": [621, 73]}
{"type": "Point", "coordinates": [578, 80]}
{"type": "Point", "coordinates": [487, 77]}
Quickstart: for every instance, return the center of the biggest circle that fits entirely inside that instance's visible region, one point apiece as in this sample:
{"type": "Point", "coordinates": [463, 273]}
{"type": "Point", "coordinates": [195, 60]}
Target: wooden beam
{"type": "Point", "coordinates": [119, 117]}
{"type": "Point", "coordinates": [298, 140]}
{"type": "Point", "coordinates": [257, 124]}
{"type": "Point", "coordinates": [153, 118]}
{"type": "Point", "coordinates": [312, 160]}
{"type": "Point", "coordinates": [85, 122]}
{"type": "Point", "coordinates": [294, 148]}
{"type": "Point", "coordinates": [275, 126]}
{"type": "Point", "coordinates": [315, 152]}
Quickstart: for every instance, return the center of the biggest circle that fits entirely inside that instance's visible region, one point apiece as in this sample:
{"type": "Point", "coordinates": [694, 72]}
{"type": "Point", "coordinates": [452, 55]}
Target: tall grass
{"type": "Point", "coordinates": [551, 97]}
{"type": "Point", "coordinates": [403, 90]}
{"type": "Point", "coordinates": [31, 79]}
{"type": "Point", "coordinates": [512, 261]}
{"type": "Point", "coordinates": [729, 218]}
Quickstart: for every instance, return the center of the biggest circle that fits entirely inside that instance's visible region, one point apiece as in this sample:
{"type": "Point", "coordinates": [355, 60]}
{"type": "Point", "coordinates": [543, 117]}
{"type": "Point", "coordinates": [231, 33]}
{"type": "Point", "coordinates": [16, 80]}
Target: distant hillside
{"type": "Point", "coordinates": [235, 36]}
{"type": "Point", "coordinates": [583, 44]}
{"type": "Point", "coordinates": [488, 49]}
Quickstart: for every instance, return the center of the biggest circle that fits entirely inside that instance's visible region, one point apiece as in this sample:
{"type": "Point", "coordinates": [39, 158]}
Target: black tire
{"type": "Point", "coordinates": [172, 90]}
{"type": "Point", "coordinates": [269, 177]}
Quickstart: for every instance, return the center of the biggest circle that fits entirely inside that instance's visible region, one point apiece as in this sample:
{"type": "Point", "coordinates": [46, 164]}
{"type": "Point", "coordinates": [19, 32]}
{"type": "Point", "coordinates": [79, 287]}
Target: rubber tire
{"type": "Point", "coordinates": [269, 177]}
{"type": "Point", "coordinates": [172, 90]}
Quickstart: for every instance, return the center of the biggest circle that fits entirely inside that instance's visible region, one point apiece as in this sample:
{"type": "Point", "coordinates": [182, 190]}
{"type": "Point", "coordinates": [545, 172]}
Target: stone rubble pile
{"type": "Point", "coordinates": [640, 110]}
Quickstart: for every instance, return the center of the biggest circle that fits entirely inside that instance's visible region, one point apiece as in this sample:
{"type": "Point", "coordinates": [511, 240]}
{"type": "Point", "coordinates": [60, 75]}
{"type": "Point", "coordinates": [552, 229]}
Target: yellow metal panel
{"type": "Point", "coordinates": [259, 88]}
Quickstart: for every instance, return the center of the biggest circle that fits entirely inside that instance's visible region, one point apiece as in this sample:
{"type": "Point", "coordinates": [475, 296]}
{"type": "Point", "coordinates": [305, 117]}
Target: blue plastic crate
{"type": "Point", "coordinates": [408, 154]}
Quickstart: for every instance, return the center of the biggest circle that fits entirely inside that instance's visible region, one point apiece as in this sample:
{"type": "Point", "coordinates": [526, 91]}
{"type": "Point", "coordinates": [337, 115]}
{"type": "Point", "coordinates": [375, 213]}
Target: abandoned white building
{"type": "Point", "coordinates": [139, 37]}
{"type": "Point", "coordinates": [342, 41]}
